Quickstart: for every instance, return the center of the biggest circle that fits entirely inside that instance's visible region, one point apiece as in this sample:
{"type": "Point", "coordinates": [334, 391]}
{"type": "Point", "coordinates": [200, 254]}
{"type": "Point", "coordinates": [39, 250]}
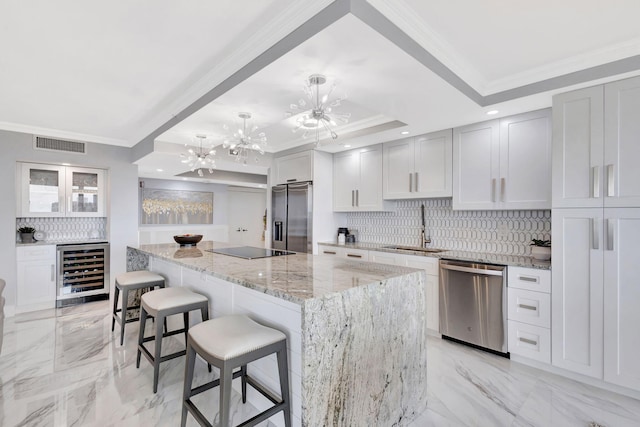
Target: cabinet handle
{"type": "Point", "coordinates": [503, 185]}
{"type": "Point", "coordinates": [595, 178]}
{"type": "Point", "coordinates": [609, 234]}
{"type": "Point", "coordinates": [353, 197]}
{"type": "Point", "coordinates": [528, 279]}
{"type": "Point", "coordinates": [528, 307]}
{"type": "Point", "coordinates": [329, 252]}
{"type": "Point", "coordinates": [357, 197]}
{"type": "Point", "coordinates": [416, 177]}
{"type": "Point", "coordinates": [527, 341]}
{"type": "Point", "coordinates": [610, 181]}
{"type": "Point", "coordinates": [354, 256]}
{"type": "Point", "coordinates": [493, 190]}
{"type": "Point", "coordinates": [292, 180]}
{"type": "Point", "coordinates": [595, 243]}
{"type": "Point", "coordinates": [53, 271]}
{"type": "Point", "coordinates": [410, 182]}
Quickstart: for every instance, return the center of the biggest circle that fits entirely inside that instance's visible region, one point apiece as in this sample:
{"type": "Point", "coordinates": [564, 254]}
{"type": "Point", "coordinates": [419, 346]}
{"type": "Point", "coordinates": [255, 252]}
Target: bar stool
{"type": "Point", "coordinates": [160, 304]}
{"type": "Point", "coordinates": [228, 343]}
{"type": "Point", "coordinates": [131, 281]}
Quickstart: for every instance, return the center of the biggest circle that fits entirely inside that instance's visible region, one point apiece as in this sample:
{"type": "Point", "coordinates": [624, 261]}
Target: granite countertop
{"type": "Point", "coordinates": [296, 278]}
{"type": "Point", "coordinates": [502, 259]}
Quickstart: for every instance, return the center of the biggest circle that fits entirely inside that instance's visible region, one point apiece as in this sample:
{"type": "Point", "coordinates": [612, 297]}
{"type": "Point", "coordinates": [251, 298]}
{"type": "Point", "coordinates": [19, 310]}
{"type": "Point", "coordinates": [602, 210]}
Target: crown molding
{"type": "Point", "coordinates": [57, 133]}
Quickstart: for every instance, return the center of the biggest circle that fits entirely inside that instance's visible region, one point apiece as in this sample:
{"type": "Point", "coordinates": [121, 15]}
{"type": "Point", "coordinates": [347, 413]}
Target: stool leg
{"type": "Point", "coordinates": [143, 322]}
{"type": "Point", "coordinates": [243, 377]}
{"type": "Point", "coordinates": [123, 313]}
{"type": "Point", "coordinates": [188, 380]}
{"type": "Point", "coordinates": [115, 307]}
{"type": "Point", "coordinates": [226, 375]}
{"type": "Point", "coordinates": [283, 369]}
{"type": "Point", "coordinates": [204, 312]}
{"type": "Point", "coordinates": [158, 352]}
{"type": "Point", "coordinates": [185, 315]}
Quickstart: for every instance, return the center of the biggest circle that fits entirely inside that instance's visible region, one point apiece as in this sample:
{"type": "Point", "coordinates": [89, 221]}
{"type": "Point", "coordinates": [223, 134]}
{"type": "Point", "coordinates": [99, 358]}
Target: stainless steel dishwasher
{"type": "Point", "coordinates": [473, 306]}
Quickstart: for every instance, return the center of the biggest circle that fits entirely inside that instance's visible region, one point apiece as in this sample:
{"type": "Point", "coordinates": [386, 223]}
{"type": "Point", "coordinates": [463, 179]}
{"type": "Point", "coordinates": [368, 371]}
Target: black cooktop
{"type": "Point", "coordinates": [249, 252]}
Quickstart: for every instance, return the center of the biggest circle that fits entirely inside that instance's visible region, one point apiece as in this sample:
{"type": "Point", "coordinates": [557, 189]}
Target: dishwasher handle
{"type": "Point", "coordinates": [480, 271]}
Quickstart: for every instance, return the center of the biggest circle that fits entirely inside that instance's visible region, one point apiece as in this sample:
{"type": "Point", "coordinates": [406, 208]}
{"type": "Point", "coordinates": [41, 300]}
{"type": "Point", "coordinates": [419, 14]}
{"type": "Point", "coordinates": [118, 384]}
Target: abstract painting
{"type": "Point", "coordinates": [160, 206]}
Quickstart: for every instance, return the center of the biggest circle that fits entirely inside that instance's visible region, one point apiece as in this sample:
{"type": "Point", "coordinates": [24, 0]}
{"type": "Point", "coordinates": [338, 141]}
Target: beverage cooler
{"type": "Point", "coordinates": [83, 273]}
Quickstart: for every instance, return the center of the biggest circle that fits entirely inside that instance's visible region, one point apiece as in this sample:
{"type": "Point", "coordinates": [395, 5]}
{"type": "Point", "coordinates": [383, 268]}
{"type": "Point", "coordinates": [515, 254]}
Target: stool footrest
{"type": "Point", "coordinates": [212, 384]}
{"type": "Point", "coordinates": [263, 391]}
{"type": "Point", "coordinates": [151, 358]}
{"type": "Point", "coordinates": [199, 416]}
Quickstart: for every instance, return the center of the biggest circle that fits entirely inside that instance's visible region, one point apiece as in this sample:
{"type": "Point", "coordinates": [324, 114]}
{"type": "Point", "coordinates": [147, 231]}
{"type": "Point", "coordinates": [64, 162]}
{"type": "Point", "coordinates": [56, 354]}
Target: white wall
{"type": "Point", "coordinates": [122, 195]}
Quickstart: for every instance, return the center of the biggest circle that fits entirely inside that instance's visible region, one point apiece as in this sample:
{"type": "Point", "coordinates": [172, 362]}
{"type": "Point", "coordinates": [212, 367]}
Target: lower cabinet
{"type": "Point", "coordinates": [529, 313]}
{"type": "Point", "coordinates": [36, 277]}
{"type": "Point", "coordinates": [345, 252]}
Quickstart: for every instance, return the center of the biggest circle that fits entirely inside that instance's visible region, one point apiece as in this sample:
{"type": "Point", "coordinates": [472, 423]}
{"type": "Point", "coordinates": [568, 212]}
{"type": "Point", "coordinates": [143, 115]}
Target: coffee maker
{"type": "Point", "coordinates": [343, 232]}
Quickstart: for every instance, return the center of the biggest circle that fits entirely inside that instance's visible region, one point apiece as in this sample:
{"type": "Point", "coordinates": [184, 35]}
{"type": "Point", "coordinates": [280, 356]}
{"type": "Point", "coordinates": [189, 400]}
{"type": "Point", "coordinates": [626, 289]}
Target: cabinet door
{"type": "Point", "coordinates": [433, 162]}
{"type": "Point", "coordinates": [622, 143]}
{"type": "Point", "coordinates": [578, 148]}
{"type": "Point", "coordinates": [36, 277]}
{"type": "Point", "coordinates": [476, 166]}
{"type": "Point", "coordinates": [397, 171]}
{"type": "Point", "coordinates": [432, 291]}
{"type": "Point", "coordinates": [85, 192]}
{"type": "Point", "coordinates": [294, 168]}
{"type": "Point", "coordinates": [346, 175]}
{"type": "Point", "coordinates": [621, 297]}
{"type": "Point", "coordinates": [525, 161]}
{"type": "Point", "coordinates": [369, 189]}
{"type": "Point", "coordinates": [41, 192]}
{"type": "Point", "coordinates": [577, 293]}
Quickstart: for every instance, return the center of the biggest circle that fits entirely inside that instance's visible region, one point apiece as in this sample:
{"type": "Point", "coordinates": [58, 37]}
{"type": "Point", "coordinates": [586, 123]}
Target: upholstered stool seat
{"type": "Point", "coordinates": [160, 304]}
{"type": "Point", "coordinates": [229, 343]}
{"type": "Point", "coordinates": [126, 282]}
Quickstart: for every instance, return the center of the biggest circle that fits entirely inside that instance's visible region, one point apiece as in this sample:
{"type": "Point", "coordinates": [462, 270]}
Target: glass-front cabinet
{"type": "Point", "coordinates": [52, 190]}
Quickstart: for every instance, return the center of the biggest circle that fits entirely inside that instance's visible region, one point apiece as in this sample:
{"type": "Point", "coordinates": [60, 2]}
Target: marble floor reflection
{"type": "Point", "coordinates": [65, 367]}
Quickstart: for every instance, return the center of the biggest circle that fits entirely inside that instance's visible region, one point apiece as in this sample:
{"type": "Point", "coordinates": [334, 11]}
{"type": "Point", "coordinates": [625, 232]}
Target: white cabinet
{"type": "Point", "coordinates": [345, 252]}
{"type": "Point", "coordinates": [293, 168]}
{"type": "Point", "coordinates": [52, 190]}
{"type": "Point", "coordinates": [596, 151]}
{"type": "Point", "coordinates": [36, 277]}
{"type": "Point", "coordinates": [503, 164]}
{"type": "Point", "coordinates": [357, 180]}
{"type": "Point", "coordinates": [529, 313]}
{"type": "Point", "coordinates": [418, 167]}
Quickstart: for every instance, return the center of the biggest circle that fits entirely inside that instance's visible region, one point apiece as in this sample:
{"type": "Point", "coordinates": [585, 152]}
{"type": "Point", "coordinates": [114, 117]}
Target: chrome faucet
{"type": "Point", "coordinates": [424, 239]}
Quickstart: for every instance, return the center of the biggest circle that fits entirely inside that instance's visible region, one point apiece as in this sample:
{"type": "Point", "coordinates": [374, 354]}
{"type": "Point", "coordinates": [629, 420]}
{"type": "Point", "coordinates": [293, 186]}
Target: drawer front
{"type": "Point", "coordinates": [35, 253]}
{"type": "Point", "coordinates": [529, 341]}
{"type": "Point", "coordinates": [385, 258]}
{"type": "Point", "coordinates": [430, 265]}
{"type": "Point", "coordinates": [533, 308]}
{"type": "Point", "coordinates": [356, 254]}
{"type": "Point", "coordinates": [531, 279]}
{"type": "Point", "coordinates": [329, 250]}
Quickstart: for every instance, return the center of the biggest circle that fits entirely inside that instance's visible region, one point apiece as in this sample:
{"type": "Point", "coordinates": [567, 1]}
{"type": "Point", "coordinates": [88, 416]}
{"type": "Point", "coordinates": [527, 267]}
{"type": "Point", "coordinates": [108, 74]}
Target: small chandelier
{"type": "Point", "coordinates": [245, 141]}
{"type": "Point", "coordinates": [319, 116]}
{"type": "Point", "coordinates": [200, 158]}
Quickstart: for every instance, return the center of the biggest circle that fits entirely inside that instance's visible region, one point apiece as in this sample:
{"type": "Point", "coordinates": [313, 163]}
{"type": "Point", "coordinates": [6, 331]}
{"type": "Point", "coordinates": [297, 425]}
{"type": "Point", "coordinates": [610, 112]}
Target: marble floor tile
{"type": "Point", "coordinates": [65, 367]}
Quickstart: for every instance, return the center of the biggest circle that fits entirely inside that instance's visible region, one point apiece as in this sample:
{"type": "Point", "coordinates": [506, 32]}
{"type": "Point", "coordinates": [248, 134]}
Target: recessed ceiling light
{"type": "Point", "coordinates": [404, 132]}
{"type": "Point", "coordinates": [159, 170]}
{"type": "Point", "coordinates": [492, 112]}
{"type": "Point", "coordinates": [66, 164]}
{"type": "Point", "coordinates": [347, 146]}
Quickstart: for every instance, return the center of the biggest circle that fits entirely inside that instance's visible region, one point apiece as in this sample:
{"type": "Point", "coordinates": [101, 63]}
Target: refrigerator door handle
{"type": "Point", "coordinates": [277, 231]}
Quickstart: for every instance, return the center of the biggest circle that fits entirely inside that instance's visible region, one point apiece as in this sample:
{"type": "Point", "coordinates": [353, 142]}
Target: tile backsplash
{"type": "Point", "coordinates": [61, 229]}
{"type": "Point", "coordinates": [504, 232]}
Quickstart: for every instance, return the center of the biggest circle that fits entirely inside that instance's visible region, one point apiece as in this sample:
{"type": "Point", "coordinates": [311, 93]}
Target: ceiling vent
{"type": "Point", "coordinates": [51, 144]}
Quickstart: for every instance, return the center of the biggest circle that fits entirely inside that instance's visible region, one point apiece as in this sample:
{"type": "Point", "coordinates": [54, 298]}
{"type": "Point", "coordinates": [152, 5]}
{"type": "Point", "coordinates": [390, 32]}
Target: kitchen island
{"type": "Point", "coordinates": [356, 330]}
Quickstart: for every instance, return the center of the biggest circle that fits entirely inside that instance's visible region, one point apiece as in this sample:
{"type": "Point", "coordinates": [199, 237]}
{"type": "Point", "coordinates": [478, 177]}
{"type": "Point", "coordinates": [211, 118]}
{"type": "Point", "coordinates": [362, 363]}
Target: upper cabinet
{"type": "Point", "coordinates": [503, 164]}
{"type": "Point", "coordinates": [52, 190]}
{"type": "Point", "coordinates": [293, 168]}
{"type": "Point", "coordinates": [596, 149]}
{"type": "Point", "coordinates": [357, 180]}
{"type": "Point", "coordinates": [418, 167]}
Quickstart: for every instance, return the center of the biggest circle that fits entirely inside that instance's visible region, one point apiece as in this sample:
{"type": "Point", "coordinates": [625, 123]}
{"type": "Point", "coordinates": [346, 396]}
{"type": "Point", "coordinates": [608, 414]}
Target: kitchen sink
{"type": "Point", "coordinates": [415, 249]}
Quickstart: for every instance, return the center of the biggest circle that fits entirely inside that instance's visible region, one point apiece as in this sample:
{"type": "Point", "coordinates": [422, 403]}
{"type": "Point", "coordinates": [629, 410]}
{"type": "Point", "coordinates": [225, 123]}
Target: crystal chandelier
{"type": "Point", "coordinates": [200, 158]}
{"type": "Point", "coordinates": [245, 141]}
{"type": "Point", "coordinates": [319, 115]}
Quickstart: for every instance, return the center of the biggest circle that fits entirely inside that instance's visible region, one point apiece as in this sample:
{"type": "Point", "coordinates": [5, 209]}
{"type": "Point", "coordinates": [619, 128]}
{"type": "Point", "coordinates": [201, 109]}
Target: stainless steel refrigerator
{"type": "Point", "coordinates": [291, 215]}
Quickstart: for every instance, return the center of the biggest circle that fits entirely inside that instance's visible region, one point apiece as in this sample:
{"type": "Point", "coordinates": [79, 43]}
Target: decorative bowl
{"type": "Point", "coordinates": [188, 239]}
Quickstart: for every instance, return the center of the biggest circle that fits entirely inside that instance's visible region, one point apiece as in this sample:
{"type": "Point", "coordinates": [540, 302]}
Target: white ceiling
{"type": "Point", "coordinates": [117, 72]}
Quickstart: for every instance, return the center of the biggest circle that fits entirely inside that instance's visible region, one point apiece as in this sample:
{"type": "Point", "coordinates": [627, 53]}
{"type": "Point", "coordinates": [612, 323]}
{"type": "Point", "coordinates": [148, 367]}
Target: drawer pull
{"type": "Point", "coordinates": [292, 180]}
{"type": "Point", "coordinates": [528, 341]}
{"type": "Point", "coordinates": [528, 279]}
{"type": "Point", "coordinates": [329, 252]}
{"type": "Point", "coordinates": [528, 307]}
{"type": "Point", "coordinates": [354, 256]}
